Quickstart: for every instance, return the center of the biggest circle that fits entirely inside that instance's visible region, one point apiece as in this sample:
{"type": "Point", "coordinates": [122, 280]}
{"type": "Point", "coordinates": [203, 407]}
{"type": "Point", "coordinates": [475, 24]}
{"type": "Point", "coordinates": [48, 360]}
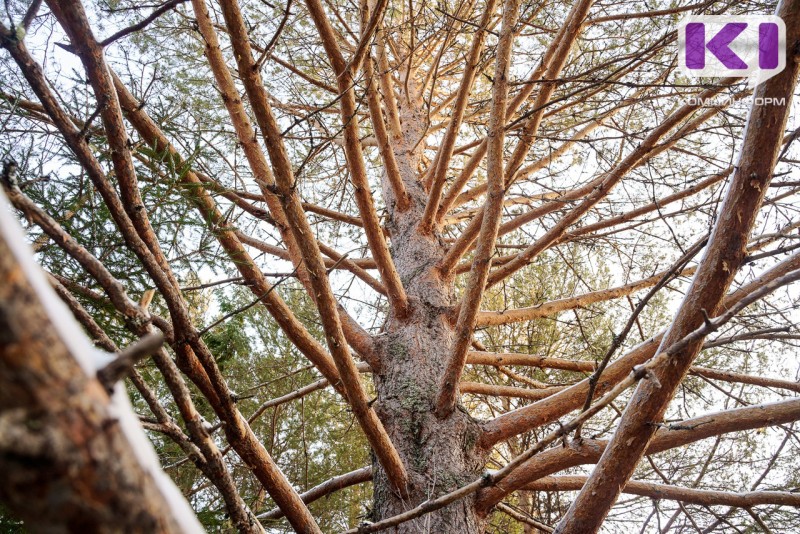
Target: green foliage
{"type": "Point", "coordinates": [9, 525]}
{"type": "Point", "coordinates": [311, 439]}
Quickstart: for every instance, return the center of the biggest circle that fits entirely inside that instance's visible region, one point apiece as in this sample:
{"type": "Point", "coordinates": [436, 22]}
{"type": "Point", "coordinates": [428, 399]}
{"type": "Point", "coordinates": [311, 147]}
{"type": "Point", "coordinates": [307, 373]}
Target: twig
{"type": "Point", "coordinates": [143, 24]}
{"type": "Point", "coordinates": [672, 273]}
{"type": "Point", "coordinates": [246, 306]}
{"type": "Point", "coordinates": [128, 358]}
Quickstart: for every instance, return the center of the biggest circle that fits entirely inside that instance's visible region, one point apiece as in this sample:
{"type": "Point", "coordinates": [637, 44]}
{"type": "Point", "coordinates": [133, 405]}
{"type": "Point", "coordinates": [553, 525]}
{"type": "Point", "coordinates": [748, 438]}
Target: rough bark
{"type": "Point", "coordinates": [61, 437]}
{"type": "Point", "coordinates": [440, 455]}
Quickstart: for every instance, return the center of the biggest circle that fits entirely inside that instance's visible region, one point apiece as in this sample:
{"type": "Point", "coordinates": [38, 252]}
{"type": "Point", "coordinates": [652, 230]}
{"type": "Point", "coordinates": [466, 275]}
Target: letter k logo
{"type": "Point", "coordinates": [719, 45]}
{"type": "Point", "coordinates": [741, 46]}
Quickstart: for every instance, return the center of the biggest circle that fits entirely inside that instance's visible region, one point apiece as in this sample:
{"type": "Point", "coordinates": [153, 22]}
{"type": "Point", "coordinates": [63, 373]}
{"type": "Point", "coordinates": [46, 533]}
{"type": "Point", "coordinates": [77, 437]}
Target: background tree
{"type": "Point", "coordinates": [435, 247]}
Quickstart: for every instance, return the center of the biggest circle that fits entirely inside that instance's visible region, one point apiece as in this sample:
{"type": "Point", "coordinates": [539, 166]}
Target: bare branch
{"type": "Point", "coordinates": [312, 258]}
{"type": "Point", "coordinates": [726, 250]}
{"type": "Point", "coordinates": [355, 162]}
{"type": "Point", "coordinates": [550, 409]}
{"type": "Point", "coordinates": [441, 162]}
{"type": "Point", "coordinates": [123, 364]}
{"type": "Point", "coordinates": [446, 401]}
{"type": "Point", "coordinates": [167, 6]}
{"type": "Point", "coordinates": [324, 489]}
{"type": "Point", "coordinates": [687, 495]}
{"type": "Point", "coordinates": [588, 451]}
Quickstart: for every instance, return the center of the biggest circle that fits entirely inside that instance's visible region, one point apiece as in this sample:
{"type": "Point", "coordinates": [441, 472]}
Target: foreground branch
{"type": "Point", "coordinates": [69, 454]}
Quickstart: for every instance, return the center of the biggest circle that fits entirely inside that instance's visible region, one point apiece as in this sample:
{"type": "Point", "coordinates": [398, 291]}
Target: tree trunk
{"type": "Point", "coordinates": [440, 455]}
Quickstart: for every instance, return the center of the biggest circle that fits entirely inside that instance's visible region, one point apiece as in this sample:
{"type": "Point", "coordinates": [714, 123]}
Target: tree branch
{"type": "Point", "coordinates": [548, 410]}
{"type": "Point", "coordinates": [589, 451]}
{"type": "Point", "coordinates": [675, 493]}
{"type": "Point", "coordinates": [167, 6]}
{"type": "Point", "coordinates": [465, 325]}
{"type": "Point", "coordinates": [441, 162]}
{"type": "Point", "coordinates": [320, 288]}
{"type": "Point", "coordinates": [726, 250]}
{"type": "Point", "coordinates": [359, 476]}
{"type": "Point", "coordinates": [355, 162]}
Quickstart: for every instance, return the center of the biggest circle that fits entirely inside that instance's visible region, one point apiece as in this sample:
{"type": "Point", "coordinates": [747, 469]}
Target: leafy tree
{"type": "Point", "coordinates": [434, 267]}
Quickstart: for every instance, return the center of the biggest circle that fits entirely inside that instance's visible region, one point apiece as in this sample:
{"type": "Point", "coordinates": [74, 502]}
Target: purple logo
{"type": "Point", "coordinates": [752, 46]}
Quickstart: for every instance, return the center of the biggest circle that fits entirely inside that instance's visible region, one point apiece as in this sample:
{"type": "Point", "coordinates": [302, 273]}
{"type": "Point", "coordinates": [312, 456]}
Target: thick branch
{"type": "Point", "coordinates": [62, 462]}
{"type": "Point", "coordinates": [312, 258]}
{"type": "Point", "coordinates": [465, 325]}
{"type": "Point", "coordinates": [589, 451]}
{"type": "Point", "coordinates": [359, 476]}
{"type": "Point", "coordinates": [390, 166]}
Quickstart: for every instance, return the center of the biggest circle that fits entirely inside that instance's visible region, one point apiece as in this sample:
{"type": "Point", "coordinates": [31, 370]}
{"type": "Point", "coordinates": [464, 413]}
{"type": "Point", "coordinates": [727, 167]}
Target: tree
{"type": "Point", "coordinates": [493, 210]}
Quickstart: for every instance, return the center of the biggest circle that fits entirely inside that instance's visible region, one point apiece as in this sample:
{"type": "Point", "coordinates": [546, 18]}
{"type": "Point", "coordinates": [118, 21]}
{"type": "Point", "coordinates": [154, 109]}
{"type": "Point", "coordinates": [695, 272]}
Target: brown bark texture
{"type": "Point", "coordinates": [67, 464]}
{"type": "Point", "coordinates": [490, 208]}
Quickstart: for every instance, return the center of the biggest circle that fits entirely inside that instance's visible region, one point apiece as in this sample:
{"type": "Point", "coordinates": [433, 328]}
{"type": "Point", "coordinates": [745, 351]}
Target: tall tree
{"type": "Point", "coordinates": [469, 222]}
